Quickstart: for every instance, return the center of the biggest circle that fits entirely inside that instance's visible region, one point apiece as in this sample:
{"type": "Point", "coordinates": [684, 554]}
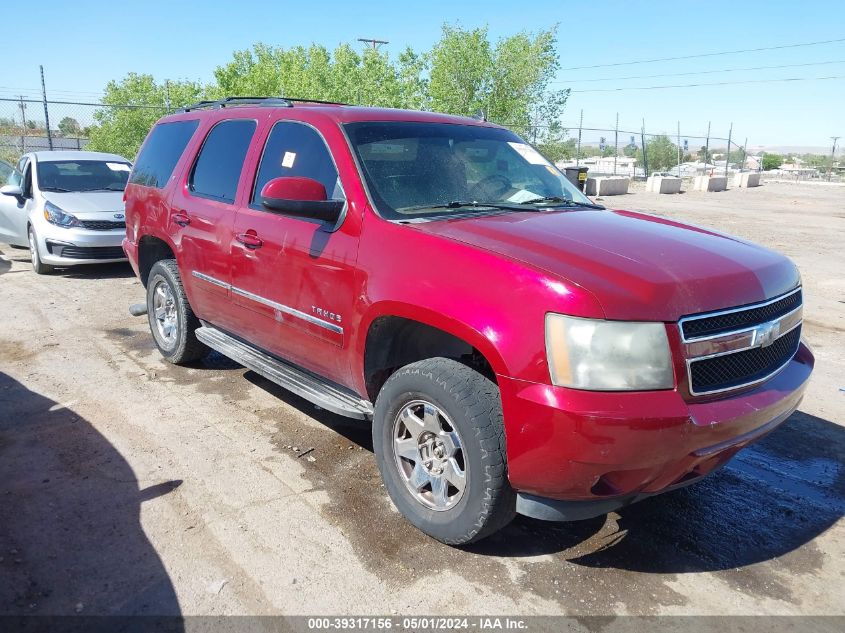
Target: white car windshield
{"type": "Point", "coordinates": [82, 175]}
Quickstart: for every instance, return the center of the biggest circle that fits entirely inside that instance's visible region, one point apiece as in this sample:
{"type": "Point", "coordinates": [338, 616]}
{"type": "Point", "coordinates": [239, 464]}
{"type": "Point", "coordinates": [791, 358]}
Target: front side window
{"type": "Point", "coordinates": [82, 175]}
{"type": "Point", "coordinates": [416, 170]}
{"type": "Point", "coordinates": [295, 149]}
{"type": "Point", "coordinates": [219, 164]}
{"type": "Point", "coordinates": [161, 152]}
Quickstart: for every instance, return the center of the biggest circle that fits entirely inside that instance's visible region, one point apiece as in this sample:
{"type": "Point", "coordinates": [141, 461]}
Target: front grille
{"type": "Point", "coordinates": [740, 319]}
{"type": "Point", "coordinates": [104, 225]}
{"type": "Point", "coordinates": [741, 368]}
{"type": "Point", "coordinates": [80, 252]}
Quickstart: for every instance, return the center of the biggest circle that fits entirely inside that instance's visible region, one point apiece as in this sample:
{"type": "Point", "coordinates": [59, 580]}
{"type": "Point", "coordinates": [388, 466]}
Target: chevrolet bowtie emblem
{"type": "Point", "coordinates": [766, 334]}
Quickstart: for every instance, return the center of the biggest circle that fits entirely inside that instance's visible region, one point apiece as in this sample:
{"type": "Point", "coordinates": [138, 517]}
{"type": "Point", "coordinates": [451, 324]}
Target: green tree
{"type": "Point", "coordinates": [705, 155]}
{"type": "Point", "coordinates": [662, 154]}
{"type": "Point", "coordinates": [135, 103]}
{"type": "Point", "coordinates": [69, 126]}
{"type": "Point", "coordinates": [772, 161]}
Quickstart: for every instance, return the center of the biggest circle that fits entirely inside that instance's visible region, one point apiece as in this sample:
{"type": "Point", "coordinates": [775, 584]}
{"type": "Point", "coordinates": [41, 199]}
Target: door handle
{"type": "Point", "coordinates": [181, 219]}
{"type": "Point", "coordinates": [250, 240]}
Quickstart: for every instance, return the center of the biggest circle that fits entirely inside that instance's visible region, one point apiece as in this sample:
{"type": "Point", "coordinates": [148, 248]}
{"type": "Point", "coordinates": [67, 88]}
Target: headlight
{"type": "Point", "coordinates": [54, 215]}
{"type": "Point", "coordinates": [602, 355]}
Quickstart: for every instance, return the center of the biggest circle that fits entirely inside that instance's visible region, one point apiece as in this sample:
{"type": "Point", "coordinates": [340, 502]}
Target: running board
{"type": "Point", "coordinates": [324, 394]}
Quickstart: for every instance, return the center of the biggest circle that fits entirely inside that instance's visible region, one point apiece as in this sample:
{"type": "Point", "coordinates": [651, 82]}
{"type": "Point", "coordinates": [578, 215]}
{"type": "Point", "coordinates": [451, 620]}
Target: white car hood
{"type": "Point", "coordinates": [89, 205]}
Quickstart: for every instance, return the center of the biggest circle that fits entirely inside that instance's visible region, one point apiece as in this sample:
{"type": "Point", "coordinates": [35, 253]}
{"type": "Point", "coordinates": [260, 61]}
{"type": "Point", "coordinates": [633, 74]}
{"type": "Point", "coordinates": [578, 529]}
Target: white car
{"type": "Point", "coordinates": [67, 207]}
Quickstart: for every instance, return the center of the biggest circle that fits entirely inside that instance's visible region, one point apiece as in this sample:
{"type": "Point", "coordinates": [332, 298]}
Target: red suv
{"type": "Point", "coordinates": [518, 348]}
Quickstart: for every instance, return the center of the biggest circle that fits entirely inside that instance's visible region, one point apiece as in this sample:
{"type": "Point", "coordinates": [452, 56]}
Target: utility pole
{"type": "Point", "coordinates": [22, 106]}
{"type": "Point", "coordinates": [707, 149]}
{"type": "Point", "coordinates": [832, 157]}
{"type": "Point", "coordinates": [744, 154]}
{"type": "Point", "coordinates": [373, 43]}
{"type": "Point", "coordinates": [645, 152]}
{"type": "Point", "coordinates": [46, 112]}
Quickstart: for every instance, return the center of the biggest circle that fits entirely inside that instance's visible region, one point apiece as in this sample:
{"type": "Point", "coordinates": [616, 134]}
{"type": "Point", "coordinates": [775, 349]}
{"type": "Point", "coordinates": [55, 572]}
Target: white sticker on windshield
{"type": "Point", "coordinates": [118, 166]}
{"type": "Point", "coordinates": [529, 153]}
{"type": "Point", "coordinates": [523, 195]}
{"type": "Point", "coordinates": [288, 158]}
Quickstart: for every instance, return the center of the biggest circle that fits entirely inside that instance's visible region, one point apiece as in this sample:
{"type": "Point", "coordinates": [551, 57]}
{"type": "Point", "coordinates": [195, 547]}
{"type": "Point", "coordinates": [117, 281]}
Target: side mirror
{"type": "Point", "coordinates": [300, 197]}
{"type": "Point", "coordinates": [12, 190]}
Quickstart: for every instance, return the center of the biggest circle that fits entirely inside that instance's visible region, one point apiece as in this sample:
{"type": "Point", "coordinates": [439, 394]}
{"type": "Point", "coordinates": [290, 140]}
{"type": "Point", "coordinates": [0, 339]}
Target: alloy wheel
{"type": "Point", "coordinates": [164, 312]}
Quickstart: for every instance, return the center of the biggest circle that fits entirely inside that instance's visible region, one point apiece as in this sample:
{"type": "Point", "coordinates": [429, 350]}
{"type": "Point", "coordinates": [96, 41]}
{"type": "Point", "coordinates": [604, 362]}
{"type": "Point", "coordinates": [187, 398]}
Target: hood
{"type": "Point", "coordinates": [638, 266]}
{"type": "Point", "coordinates": [88, 205]}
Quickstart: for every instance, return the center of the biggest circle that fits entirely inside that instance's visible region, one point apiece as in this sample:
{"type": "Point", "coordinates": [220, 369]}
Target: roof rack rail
{"type": "Point", "coordinates": [277, 102]}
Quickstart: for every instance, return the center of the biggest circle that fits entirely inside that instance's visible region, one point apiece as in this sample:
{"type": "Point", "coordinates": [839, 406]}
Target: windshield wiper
{"type": "Point", "coordinates": [461, 204]}
{"type": "Point", "coordinates": [55, 189]}
{"type": "Point", "coordinates": [102, 189]}
{"type": "Point", "coordinates": [565, 201]}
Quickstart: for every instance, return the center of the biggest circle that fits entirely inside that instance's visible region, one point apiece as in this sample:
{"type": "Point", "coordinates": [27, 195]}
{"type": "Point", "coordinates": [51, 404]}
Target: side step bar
{"type": "Point", "coordinates": [325, 394]}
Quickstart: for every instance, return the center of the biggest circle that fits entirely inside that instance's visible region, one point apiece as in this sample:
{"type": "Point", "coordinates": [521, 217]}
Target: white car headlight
{"type": "Point", "coordinates": [599, 355]}
{"type": "Point", "coordinates": [55, 215]}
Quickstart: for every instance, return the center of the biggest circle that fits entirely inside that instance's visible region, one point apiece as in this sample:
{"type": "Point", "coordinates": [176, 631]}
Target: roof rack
{"type": "Point", "coordinates": [271, 102]}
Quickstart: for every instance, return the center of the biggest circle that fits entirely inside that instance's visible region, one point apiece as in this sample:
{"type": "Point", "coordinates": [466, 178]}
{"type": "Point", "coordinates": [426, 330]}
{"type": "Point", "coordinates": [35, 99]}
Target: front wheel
{"type": "Point", "coordinates": [38, 266]}
{"type": "Point", "coordinates": [172, 321]}
{"type": "Point", "coordinates": [439, 439]}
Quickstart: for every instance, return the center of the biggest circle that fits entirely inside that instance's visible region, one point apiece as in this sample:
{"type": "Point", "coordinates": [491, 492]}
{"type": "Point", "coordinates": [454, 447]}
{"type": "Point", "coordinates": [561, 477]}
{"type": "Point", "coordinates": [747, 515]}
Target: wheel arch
{"type": "Point", "coordinates": [150, 250]}
{"type": "Point", "coordinates": [398, 334]}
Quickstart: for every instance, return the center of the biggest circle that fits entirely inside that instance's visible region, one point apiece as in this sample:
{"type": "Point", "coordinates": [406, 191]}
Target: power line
{"type": "Point", "coordinates": [669, 59]}
{"type": "Point", "coordinates": [699, 72]}
{"type": "Point", "coordinates": [715, 83]}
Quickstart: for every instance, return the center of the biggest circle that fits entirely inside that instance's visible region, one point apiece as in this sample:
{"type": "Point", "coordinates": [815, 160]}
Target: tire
{"type": "Point", "coordinates": [174, 325]}
{"type": "Point", "coordinates": [38, 266]}
{"type": "Point", "coordinates": [440, 393]}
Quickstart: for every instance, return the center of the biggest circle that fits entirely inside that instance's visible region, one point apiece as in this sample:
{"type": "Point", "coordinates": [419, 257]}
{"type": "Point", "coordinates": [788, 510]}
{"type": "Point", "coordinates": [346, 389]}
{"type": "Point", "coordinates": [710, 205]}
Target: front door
{"type": "Point", "coordinates": [293, 278]}
{"type": "Point", "coordinates": [13, 211]}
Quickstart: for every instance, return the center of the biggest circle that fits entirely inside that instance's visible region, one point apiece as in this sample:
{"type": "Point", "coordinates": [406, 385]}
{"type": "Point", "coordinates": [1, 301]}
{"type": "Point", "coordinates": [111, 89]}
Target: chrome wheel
{"type": "Point", "coordinates": [33, 249]}
{"type": "Point", "coordinates": [164, 313]}
{"type": "Point", "coordinates": [429, 455]}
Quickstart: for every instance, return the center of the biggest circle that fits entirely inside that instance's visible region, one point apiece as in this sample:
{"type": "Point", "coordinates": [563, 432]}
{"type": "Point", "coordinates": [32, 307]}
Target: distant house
{"type": "Point", "coordinates": [598, 165]}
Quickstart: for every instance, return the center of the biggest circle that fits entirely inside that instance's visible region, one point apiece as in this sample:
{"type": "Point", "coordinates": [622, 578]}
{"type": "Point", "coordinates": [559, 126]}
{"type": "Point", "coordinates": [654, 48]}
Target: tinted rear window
{"type": "Point", "coordinates": [221, 159]}
{"type": "Point", "coordinates": [161, 152]}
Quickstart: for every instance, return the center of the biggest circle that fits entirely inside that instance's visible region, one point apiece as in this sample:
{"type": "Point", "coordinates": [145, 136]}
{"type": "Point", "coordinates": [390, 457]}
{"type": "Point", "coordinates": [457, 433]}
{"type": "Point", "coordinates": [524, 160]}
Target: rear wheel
{"type": "Point", "coordinates": [38, 266]}
{"type": "Point", "coordinates": [439, 440]}
{"type": "Point", "coordinates": [172, 321]}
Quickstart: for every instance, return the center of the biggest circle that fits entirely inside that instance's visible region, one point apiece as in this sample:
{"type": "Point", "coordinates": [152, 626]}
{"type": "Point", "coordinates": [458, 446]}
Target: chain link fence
{"type": "Point", "coordinates": [28, 125]}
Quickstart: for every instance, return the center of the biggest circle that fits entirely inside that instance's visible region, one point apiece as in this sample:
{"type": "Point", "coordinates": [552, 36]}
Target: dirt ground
{"type": "Point", "coordinates": [131, 486]}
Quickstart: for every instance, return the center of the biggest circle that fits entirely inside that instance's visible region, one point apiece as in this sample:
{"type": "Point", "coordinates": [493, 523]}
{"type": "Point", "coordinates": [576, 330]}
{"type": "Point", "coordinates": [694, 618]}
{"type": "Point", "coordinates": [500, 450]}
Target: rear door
{"type": "Point", "coordinates": [203, 211]}
{"type": "Point", "coordinates": [293, 278]}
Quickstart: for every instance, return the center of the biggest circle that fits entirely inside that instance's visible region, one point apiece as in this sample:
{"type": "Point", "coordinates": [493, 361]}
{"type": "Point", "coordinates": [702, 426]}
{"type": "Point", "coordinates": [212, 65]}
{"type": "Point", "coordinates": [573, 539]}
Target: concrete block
{"type": "Point", "coordinates": [663, 184]}
{"type": "Point", "coordinates": [610, 186]}
{"type": "Point", "coordinates": [747, 179]}
{"type": "Point", "coordinates": [710, 183]}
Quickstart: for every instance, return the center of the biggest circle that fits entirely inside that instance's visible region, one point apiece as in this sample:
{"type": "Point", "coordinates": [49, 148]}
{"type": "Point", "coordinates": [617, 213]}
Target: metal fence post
{"type": "Point", "coordinates": [679, 149]}
{"type": "Point", "coordinates": [46, 112]}
{"type": "Point", "coordinates": [728, 157]}
{"type": "Point", "coordinates": [645, 151]}
{"type": "Point", "coordinates": [615, 143]}
{"type": "Point", "coordinates": [578, 151]}
{"type": "Point", "coordinates": [707, 149]}
{"type": "Point", "coordinates": [744, 154]}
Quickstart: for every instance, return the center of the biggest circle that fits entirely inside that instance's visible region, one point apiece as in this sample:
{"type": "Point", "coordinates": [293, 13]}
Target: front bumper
{"type": "Point", "coordinates": [58, 246]}
{"type": "Point", "coordinates": [596, 451]}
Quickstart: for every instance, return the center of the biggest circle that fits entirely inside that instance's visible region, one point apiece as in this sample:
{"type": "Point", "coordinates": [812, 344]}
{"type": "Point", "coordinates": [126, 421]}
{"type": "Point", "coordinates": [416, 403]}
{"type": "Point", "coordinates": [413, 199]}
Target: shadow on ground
{"type": "Point", "coordinates": [70, 535]}
{"type": "Point", "coordinates": [770, 502]}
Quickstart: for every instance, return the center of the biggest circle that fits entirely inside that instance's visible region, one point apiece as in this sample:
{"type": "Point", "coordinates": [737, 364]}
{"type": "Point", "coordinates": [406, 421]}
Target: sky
{"type": "Point", "coordinates": [83, 44]}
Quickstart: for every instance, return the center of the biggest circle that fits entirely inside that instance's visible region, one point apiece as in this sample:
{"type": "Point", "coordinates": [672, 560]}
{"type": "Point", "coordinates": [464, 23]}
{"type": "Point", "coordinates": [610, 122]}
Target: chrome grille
{"type": "Point", "coordinates": [743, 346]}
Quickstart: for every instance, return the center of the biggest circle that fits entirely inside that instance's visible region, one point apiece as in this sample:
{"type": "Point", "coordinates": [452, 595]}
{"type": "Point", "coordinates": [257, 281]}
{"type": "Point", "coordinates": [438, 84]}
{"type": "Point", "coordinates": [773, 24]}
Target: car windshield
{"type": "Point", "coordinates": [418, 170]}
{"type": "Point", "coordinates": [82, 175]}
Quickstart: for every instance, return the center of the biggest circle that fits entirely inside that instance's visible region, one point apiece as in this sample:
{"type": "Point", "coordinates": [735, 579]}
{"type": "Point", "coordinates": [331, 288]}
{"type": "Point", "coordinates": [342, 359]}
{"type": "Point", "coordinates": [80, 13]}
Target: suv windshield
{"type": "Point", "coordinates": [415, 170]}
{"type": "Point", "coordinates": [82, 175]}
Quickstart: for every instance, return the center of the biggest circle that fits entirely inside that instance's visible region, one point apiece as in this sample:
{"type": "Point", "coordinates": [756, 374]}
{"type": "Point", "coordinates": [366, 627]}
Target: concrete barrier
{"type": "Point", "coordinates": [747, 179]}
{"type": "Point", "coordinates": [710, 183]}
{"type": "Point", "coordinates": [663, 184]}
{"type": "Point", "coordinates": [610, 186]}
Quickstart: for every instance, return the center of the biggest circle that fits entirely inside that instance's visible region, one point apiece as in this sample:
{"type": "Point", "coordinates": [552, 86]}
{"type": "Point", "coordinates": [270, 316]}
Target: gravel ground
{"type": "Point", "coordinates": [131, 486]}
